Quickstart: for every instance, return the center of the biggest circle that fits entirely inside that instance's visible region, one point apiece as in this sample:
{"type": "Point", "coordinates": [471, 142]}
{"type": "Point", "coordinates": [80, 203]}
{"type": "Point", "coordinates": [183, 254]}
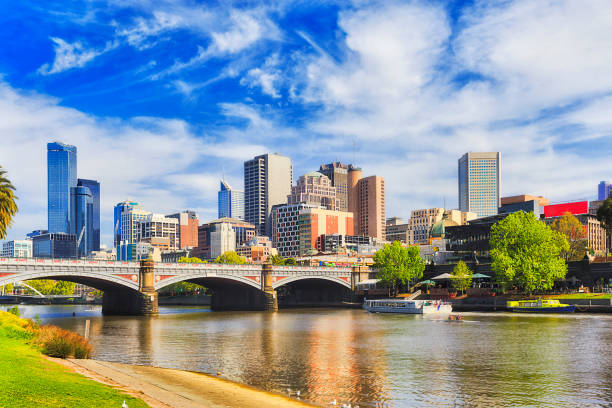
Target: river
{"type": "Point", "coordinates": [370, 360]}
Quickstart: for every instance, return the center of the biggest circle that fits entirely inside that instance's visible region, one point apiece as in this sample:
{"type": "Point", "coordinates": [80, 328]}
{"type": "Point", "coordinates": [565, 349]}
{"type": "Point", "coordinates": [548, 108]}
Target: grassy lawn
{"type": "Point", "coordinates": [28, 380]}
{"type": "Point", "coordinates": [583, 296]}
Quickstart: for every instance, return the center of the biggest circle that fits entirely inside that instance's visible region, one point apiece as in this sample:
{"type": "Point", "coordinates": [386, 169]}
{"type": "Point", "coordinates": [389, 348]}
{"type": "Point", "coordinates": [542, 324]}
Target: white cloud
{"type": "Point", "coordinates": [267, 77]}
{"type": "Point", "coordinates": [160, 163]}
{"type": "Point", "coordinates": [71, 55]}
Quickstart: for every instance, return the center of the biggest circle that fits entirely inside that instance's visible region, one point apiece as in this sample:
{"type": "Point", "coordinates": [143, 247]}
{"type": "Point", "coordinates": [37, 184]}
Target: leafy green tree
{"type": "Point", "coordinates": [461, 277]}
{"type": "Point", "coordinates": [182, 288]}
{"type": "Point", "coordinates": [290, 261]}
{"type": "Point", "coordinates": [573, 230]}
{"type": "Point", "coordinates": [8, 204]}
{"type": "Point", "coordinates": [526, 252]}
{"type": "Point", "coordinates": [193, 259]}
{"type": "Point", "coordinates": [276, 260]}
{"type": "Point", "coordinates": [231, 257]}
{"type": "Point", "coordinates": [604, 215]}
{"type": "Point", "coordinates": [397, 265]}
{"type": "Point", "coordinates": [51, 287]}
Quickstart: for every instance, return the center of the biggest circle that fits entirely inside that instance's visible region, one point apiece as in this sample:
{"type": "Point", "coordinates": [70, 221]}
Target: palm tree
{"type": "Point", "coordinates": [8, 206]}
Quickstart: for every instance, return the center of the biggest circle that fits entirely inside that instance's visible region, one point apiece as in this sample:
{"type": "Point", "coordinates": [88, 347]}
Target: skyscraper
{"type": "Point", "coordinates": [338, 174]}
{"type": "Point", "coordinates": [82, 219]}
{"type": "Point", "coordinates": [94, 189]}
{"type": "Point", "coordinates": [119, 209]}
{"type": "Point", "coordinates": [230, 202]}
{"type": "Point", "coordinates": [187, 228]}
{"type": "Point", "coordinates": [603, 190]}
{"type": "Point", "coordinates": [267, 181]}
{"type": "Point", "coordinates": [61, 178]}
{"type": "Point", "coordinates": [366, 200]}
{"type": "Point", "coordinates": [479, 183]}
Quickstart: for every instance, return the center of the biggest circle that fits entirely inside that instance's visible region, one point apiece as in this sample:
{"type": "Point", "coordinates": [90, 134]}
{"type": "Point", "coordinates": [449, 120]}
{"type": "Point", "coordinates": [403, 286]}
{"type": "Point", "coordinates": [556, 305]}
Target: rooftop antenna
{"type": "Point", "coordinates": [353, 152]}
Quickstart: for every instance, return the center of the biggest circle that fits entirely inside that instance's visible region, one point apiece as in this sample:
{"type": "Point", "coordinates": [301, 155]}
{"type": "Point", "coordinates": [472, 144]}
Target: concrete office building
{"type": "Point", "coordinates": [257, 249]}
{"type": "Point", "coordinates": [130, 224]}
{"type": "Point", "coordinates": [267, 181]}
{"type": "Point", "coordinates": [603, 190]}
{"type": "Point", "coordinates": [188, 228]}
{"type": "Point", "coordinates": [314, 188]}
{"type": "Point", "coordinates": [17, 249]}
{"type": "Point", "coordinates": [222, 239]}
{"type": "Point", "coordinates": [338, 174]}
{"type": "Point", "coordinates": [297, 227]}
{"type": "Point", "coordinates": [479, 183]}
{"type": "Point", "coordinates": [160, 231]}
{"type": "Point", "coordinates": [230, 202]}
{"type": "Point", "coordinates": [370, 204]}
{"type": "Point", "coordinates": [242, 232]}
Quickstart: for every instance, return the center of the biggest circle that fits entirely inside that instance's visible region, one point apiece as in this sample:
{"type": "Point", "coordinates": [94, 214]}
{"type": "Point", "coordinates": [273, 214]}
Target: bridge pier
{"type": "Point", "coordinates": [123, 301]}
{"type": "Point", "coordinates": [271, 300]}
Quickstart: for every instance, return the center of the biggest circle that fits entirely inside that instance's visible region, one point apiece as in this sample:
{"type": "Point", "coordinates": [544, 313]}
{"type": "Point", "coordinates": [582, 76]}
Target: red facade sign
{"type": "Point", "coordinates": [557, 210]}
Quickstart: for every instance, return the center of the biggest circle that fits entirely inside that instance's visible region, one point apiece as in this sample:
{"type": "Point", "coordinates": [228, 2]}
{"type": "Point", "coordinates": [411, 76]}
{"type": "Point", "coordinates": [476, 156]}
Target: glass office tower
{"type": "Point", "coordinates": [61, 178]}
{"type": "Point", "coordinates": [120, 208]}
{"type": "Point", "coordinates": [479, 183]}
{"type": "Point", "coordinates": [82, 219]}
{"type": "Point", "coordinates": [230, 202]}
{"type": "Point", "coordinates": [94, 189]}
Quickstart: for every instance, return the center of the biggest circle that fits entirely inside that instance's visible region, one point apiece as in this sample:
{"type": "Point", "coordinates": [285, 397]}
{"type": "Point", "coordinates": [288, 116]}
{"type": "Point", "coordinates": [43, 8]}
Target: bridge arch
{"type": "Point", "coordinates": [101, 281]}
{"type": "Point", "coordinates": [297, 278]}
{"type": "Point", "coordinates": [204, 278]}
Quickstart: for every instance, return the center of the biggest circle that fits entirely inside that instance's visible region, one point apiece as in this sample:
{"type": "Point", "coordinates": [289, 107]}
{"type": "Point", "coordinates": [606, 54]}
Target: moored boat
{"type": "Point", "coordinates": [539, 306]}
{"type": "Point", "coordinates": [407, 306]}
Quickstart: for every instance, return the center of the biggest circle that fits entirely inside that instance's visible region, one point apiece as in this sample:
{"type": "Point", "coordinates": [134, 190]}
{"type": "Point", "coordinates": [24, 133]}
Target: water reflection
{"type": "Point", "coordinates": [371, 360]}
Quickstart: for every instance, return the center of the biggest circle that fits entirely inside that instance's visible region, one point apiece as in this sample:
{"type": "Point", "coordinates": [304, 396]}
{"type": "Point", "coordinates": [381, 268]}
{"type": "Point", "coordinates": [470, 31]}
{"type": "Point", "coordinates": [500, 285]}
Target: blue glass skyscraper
{"type": "Point", "coordinates": [94, 233]}
{"type": "Point", "coordinates": [230, 202]}
{"type": "Point", "coordinates": [603, 190]}
{"type": "Point", "coordinates": [61, 178]}
{"type": "Point", "coordinates": [119, 209]}
{"type": "Point", "coordinates": [82, 219]}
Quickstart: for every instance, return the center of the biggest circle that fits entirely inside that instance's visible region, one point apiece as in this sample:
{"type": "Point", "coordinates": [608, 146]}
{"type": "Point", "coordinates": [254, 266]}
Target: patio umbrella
{"type": "Point", "coordinates": [480, 276]}
{"type": "Point", "coordinates": [427, 282]}
{"type": "Point", "coordinates": [444, 276]}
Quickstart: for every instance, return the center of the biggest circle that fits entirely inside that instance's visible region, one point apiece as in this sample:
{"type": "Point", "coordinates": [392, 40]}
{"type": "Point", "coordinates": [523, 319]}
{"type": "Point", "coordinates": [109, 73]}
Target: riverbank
{"type": "Point", "coordinates": [498, 303]}
{"type": "Point", "coordinates": [30, 380]}
{"type": "Point", "coordinates": [164, 387]}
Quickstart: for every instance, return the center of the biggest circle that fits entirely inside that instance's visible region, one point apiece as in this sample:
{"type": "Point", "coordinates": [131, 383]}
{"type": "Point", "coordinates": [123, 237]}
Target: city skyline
{"type": "Point", "coordinates": [247, 92]}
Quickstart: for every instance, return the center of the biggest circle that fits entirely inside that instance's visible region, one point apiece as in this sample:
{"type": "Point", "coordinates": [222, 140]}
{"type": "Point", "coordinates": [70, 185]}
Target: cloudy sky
{"type": "Point", "coordinates": [161, 97]}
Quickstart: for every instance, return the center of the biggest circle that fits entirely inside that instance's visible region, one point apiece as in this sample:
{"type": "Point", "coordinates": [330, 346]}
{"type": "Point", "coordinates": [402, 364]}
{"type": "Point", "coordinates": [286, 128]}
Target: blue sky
{"type": "Point", "coordinates": [162, 97]}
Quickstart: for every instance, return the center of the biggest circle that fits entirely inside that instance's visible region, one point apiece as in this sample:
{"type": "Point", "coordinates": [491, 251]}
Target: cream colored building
{"type": "Point", "coordinates": [130, 224]}
{"type": "Point", "coordinates": [160, 231]}
{"type": "Point", "coordinates": [316, 189]}
{"type": "Point", "coordinates": [417, 229]}
{"type": "Point", "coordinates": [222, 239]}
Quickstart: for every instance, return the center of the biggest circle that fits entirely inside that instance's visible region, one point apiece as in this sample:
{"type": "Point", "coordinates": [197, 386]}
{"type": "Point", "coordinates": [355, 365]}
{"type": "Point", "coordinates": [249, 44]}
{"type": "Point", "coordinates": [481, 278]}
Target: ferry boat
{"type": "Point", "coordinates": [407, 306]}
{"type": "Point", "coordinates": [539, 306]}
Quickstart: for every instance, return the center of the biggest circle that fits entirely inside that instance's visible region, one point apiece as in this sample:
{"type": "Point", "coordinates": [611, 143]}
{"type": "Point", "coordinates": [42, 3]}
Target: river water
{"type": "Point", "coordinates": [370, 360]}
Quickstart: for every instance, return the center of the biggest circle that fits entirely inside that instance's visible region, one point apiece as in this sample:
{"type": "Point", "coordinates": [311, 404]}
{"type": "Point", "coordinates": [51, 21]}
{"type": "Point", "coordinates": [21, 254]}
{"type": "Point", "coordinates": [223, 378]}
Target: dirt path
{"type": "Point", "coordinates": [164, 387]}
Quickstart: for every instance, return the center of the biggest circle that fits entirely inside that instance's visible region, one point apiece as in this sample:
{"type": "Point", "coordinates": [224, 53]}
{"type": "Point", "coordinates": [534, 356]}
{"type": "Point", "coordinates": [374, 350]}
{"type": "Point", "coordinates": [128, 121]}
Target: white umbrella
{"type": "Point", "coordinates": [443, 276]}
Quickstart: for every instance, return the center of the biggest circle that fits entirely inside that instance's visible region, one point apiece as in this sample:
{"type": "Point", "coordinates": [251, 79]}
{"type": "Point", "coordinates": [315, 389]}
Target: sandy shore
{"type": "Point", "coordinates": [163, 387]}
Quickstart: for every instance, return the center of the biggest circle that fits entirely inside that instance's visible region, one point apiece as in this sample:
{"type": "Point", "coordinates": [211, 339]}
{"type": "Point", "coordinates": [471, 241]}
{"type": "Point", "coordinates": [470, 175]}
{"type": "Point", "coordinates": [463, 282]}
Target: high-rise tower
{"type": "Point", "coordinates": [230, 202]}
{"type": "Point", "coordinates": [61, 178]}
{"type": "Point", "coordinates": [338, 174]}
{"type": "Point", "coordinates": [479, 183]}
{"type": "Point", "coordinates": [267, 181]}
{"type": "Point", "coordinates": [94, 233]}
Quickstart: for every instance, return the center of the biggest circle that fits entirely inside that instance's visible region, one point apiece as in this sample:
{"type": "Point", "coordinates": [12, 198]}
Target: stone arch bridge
{"type": "Point", "coordinates": [131, 287]}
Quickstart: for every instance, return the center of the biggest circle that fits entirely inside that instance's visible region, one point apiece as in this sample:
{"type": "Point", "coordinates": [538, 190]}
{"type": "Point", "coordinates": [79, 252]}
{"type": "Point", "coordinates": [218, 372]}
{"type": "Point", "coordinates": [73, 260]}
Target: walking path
{"type": "Point", "coordinates": [164, 387]}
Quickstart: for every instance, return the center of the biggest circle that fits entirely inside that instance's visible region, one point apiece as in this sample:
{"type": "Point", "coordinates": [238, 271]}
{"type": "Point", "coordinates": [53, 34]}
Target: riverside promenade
{"type": "Point", "coordinates": [164, 387]}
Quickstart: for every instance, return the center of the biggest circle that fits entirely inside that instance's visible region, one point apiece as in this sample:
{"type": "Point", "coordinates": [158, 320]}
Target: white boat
{"type": "Point", "coordinates": [407, 306]}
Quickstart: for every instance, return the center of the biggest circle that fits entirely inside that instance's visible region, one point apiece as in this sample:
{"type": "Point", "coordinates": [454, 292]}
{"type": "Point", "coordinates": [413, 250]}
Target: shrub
{"type": "Point", "coordinates": [15, 311]}
{"type": "Point", "coordinates": [56, 342]}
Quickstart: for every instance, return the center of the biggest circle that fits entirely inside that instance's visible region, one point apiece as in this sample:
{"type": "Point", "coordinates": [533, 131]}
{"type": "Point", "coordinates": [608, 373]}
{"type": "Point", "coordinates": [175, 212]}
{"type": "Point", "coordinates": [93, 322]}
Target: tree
{"type": "Point", "coordinates": [231, 257]}
{"type": "Point", "coordinates": [604, 215]}
{"type": "Point", "coordinates": [573, 230]}
{"type": "Point", "coordinates": [276, 260]}
{"type": "Point", "coordinates": [397, 265]}
{"type": "Point", "coordinates": [526, 252]}
{"type": "Point", "coordinates": [462, 277]}
{"type": "Point", "coordinates": [193, 259]}
{"type": "Point", "coordinates": [51, 287]}
{"type": "Point", "coordinates": [8, 205]}
{"type": "Point", "coordinates": [290, 261]}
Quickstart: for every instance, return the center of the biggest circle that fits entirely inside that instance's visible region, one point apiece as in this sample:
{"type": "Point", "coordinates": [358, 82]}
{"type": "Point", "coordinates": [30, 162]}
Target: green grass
{"type": "Point", "coordinates": [29, 380]}
{"type": "Point", "coordinates": [583, 296]}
